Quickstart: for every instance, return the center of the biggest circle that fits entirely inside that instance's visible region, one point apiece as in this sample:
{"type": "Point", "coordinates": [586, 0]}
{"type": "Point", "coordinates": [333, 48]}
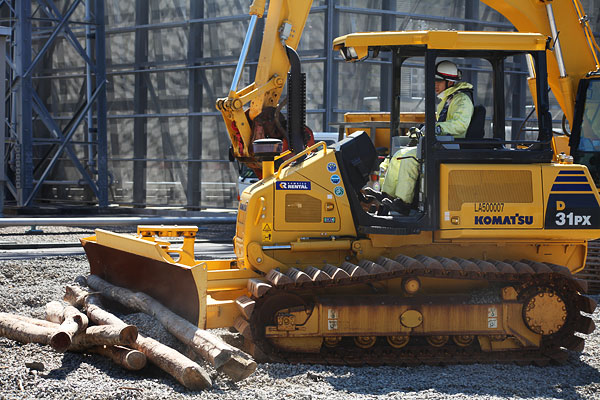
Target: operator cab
{"type": "Point", "coordinates": [357, 154]}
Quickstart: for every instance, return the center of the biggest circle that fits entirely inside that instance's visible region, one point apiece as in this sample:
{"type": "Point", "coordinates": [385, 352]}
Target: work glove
{"type": "Point", "coordinates": [415, 132]}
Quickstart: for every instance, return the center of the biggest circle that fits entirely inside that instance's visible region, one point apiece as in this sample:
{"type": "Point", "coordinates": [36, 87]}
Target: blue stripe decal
{"type": "Point", "coordinates": [571, 179]}
{"type": "Point", "coordinates": [571, 187]}
{"type": "Point", "coordinates": [567, 172]}
{"type": "Point", "coordinates": [574, 200]}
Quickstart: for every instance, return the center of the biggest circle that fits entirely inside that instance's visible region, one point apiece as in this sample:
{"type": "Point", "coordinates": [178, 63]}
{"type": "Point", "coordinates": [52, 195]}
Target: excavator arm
{"type": "Point", "coordinates": [284, 24]}
{"type": "Point", "coordinates": [573, 46]}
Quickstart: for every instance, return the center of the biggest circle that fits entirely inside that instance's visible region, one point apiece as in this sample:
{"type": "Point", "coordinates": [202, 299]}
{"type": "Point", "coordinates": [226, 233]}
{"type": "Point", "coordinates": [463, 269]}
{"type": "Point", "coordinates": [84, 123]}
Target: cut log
{"type": "Point", "coordinates": [24, 332]}
{"type": "Point", "coordinates": [75, 296]}
{"type": "Point", "coordinates": [224, 357]}
{"type": "Point", "coordinates": [133, 360]}
{"type": "Point", "coordinates": [71, 322]}
{"type": "Point", "coordinates": [92, 302]}
{"type": "Point", "coordinates": [186, 371]}
{"type": "Point", "coordinates": [109, 335]}
{"type": "Point", "coordinates": [34, 321]}
{"type": "Point", "coordinates": [29, 330]}
{"type": "Point", "coordinates": [66, 316]}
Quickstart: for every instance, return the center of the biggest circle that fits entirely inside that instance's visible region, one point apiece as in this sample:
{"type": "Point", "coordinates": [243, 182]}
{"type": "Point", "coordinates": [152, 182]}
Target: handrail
{"type": "Point", "coordinates": [302, 153]}
{"type": "Point", "coordinates": [260, 210]}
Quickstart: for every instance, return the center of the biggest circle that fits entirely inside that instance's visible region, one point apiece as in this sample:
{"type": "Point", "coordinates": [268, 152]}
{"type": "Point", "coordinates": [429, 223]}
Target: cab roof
{"type": "Point", "coordinates": [444, 40]}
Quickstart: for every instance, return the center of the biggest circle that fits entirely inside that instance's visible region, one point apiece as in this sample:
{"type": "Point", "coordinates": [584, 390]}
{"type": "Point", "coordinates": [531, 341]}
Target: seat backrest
{"type": "Point", "coordinates": [476, 128]}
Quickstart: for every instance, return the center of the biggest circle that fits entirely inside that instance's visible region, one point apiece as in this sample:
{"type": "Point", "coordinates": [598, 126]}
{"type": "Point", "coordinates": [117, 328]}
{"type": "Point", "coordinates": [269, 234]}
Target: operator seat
{"type": "Point", "coordinates": [476, 131]}
{"type": "Point", "coordinates": [476, 128]}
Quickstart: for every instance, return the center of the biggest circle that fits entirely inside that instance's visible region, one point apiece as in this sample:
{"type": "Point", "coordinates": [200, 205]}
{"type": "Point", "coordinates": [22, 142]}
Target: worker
{"type": "Point", "coordinates": [453, 116]}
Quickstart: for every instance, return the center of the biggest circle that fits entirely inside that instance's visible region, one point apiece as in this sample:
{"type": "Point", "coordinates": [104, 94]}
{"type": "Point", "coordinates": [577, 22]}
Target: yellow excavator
{"type": "Point", "coordinates": [481, 270]}
{"type": "Point", "coordinates": [574, 77]}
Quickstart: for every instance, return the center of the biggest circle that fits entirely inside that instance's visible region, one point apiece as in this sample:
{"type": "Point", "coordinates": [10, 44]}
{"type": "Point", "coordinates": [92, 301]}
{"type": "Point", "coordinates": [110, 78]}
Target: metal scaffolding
{"type": "Point", "coordinates": [45, 135]}
{"type": "Point", "coordinates": [112, 102]}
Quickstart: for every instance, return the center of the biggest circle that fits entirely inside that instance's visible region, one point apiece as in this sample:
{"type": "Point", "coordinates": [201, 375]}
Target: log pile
{"type": "Point", "coordinates": [84, 325]}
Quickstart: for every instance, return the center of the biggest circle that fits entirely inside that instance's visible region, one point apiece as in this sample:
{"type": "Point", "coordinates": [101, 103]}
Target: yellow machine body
{"type": "Point", "coordinates": [308, 277]}
{"type": "Point", "coordinates": [277, 230]}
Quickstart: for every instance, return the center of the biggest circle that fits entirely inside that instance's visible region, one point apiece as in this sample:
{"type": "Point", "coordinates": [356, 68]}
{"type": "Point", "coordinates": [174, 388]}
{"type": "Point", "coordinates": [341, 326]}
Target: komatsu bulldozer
{"type": "Point", "coordinates": [480, 270]}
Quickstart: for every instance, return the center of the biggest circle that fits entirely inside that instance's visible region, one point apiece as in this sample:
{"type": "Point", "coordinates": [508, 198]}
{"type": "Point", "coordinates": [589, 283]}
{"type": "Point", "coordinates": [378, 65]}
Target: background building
{"type": "Point", "coordinates": [150, 135]}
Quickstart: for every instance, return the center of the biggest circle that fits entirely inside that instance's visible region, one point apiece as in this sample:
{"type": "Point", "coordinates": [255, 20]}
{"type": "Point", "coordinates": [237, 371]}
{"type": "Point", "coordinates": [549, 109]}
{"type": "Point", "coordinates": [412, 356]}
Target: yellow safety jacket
{"type": "Point", "coordinates": [459, 111]}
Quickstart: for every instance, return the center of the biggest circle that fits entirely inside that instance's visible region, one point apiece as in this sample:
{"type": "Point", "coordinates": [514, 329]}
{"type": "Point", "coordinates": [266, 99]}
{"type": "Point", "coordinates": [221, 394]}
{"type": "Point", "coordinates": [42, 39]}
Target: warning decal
{"type": "Point", "coordinates": [492, 318]}
{"type": "Point", "coordinates": [267, 233]}
{"type": "Point", "coordinates": [332, 319]}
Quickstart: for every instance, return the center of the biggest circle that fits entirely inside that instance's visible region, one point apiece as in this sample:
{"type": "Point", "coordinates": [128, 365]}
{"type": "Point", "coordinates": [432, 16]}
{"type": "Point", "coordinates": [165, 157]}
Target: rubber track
{"type": "Point", "coordinates": [525, 274]}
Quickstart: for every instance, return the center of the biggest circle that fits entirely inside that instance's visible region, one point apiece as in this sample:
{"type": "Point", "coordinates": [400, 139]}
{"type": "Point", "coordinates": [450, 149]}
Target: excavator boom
{"type": "Point", "coordinates": [573, 45]}
{"type": "Point", "coordinates": [283, 28]}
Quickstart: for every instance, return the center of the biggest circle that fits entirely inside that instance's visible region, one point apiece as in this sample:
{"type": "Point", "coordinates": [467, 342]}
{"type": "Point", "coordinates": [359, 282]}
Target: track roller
{"type": "Point", "coordinates": [332, 341]}
{"type": "Point", "coordinates": [463, 340]}
{"type": "Point", "coordinates": [398, 342]}
{"type": "Point", "coordinates": [437, 340]}
{"type": "Point", "coordinates": [364, 342]}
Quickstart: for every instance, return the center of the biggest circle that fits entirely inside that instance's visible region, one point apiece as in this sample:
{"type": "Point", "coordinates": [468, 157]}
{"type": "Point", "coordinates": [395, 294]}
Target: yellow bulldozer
{"type": "Point", "coordinates": [480, 270]}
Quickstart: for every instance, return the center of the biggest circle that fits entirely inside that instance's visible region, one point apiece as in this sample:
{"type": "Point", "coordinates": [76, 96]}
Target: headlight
{"type": "Point", "coordinates": [351, 54]}
{"type": "Point", "coordinates": [348, 53]}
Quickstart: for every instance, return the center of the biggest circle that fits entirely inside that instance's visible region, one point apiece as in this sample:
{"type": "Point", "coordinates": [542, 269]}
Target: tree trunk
{"type": "Point", "coordinates": [75, 295]}
{"type": "Point", "coordinates": [92, 302]}
{"type": "Point", "coordinates": [33, 321]}
{"type": "Point", "coordinates": [133, 360]}
{"type": "Point", "coordinates": [186, 371]}
{"type": "Point", "coordinates": [71, 322]}
{"type": "Point", "coordinates": [109, 335]}
{"type": "Point", "coordinates": [23, 331]}
{"type": "Point", "coordinates": [224, 357]}
{"type": "Point", "coordinates": [31, 330]}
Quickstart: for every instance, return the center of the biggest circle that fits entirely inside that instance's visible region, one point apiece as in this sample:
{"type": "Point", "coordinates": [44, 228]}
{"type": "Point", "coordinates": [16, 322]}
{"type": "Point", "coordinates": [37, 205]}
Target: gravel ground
{"type": "Point", "coordinates": [27, 285]}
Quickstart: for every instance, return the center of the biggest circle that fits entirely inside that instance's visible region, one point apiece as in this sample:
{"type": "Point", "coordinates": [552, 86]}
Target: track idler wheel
{"type": "Point", "coordinates": [399, 341]}
{"type": "Point", "coordinates": [437, 340]}
{"type": "Point", "coordinates": [463, 340]}
{"type": "Point", "coordinates": [365, 342]}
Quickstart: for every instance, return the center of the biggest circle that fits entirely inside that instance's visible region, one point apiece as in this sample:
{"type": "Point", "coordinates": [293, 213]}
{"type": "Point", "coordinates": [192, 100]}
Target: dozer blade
{"type": "Point", "coordinates": [143, 266]}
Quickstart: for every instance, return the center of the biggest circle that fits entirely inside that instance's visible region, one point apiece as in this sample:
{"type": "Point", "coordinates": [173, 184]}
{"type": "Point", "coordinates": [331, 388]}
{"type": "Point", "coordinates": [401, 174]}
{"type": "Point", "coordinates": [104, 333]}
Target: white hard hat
{"type": "Point", "coordinates": [447, 71]}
